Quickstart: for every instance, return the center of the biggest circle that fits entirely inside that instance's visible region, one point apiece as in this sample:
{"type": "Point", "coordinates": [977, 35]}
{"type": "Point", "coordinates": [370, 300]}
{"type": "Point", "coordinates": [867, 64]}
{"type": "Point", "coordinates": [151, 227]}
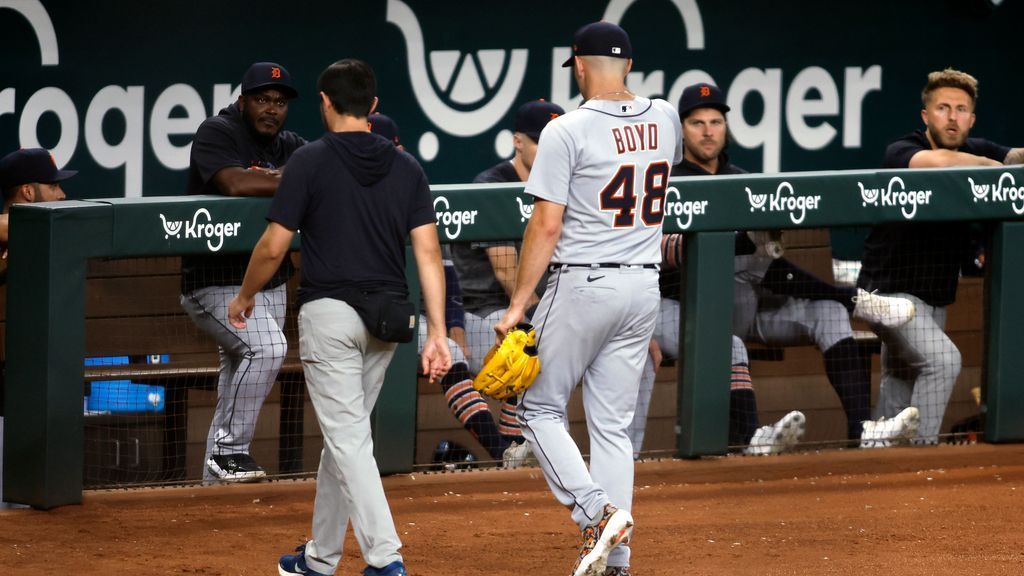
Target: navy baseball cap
{"type": "Point", "coordinates": [384, 126]}
{"type": "Point", "coordinates": [30, 165]}
{"type": "Point", "coordinates": [701, 95]}
{"type": "Point", "coordinates": [533, 116]}
{"type": "Point", "coordinates": [268, 75]}
{"type": "Point", "coordinates": [600, 39]}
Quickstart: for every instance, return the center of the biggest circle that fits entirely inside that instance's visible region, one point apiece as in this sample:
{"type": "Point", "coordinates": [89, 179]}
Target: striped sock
{"type": "Point", "coordinates": [743, 420]}
{"type": "Point", "coordinates": [470, 408]}
{"type": "Point", "coordinates": [509, 424]}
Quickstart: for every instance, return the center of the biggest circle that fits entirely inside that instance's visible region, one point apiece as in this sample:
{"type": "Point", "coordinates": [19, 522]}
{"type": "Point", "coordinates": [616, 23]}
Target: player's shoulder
{"type": "Point", "coordinates": [503, 171]}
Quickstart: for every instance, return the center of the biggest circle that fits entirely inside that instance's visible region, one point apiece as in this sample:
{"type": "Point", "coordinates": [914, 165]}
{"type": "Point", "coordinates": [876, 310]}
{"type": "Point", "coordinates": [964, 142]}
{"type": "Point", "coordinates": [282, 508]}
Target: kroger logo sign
{"type": "Point", "coordinates": [1005, 190]}
{"type": "Point", "coordinates": [452, 220]}
{"type": "Point", "coordinates": [201, 226]}
{"type": "Point", "coordinates": [780, 202]}
{"type": "Point", "coordinates": [676, 207]}
{"type": "Point", "coordinates": [895, 194]}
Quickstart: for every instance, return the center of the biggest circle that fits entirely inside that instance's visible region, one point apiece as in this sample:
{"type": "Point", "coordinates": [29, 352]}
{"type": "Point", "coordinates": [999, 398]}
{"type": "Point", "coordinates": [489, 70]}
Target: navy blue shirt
{"type": "Point", "coordinates": [669, 280]}
{"type": "Point", "coordinates": [224, 141]}
{"type": "Point", "coordinates": [355, 198]}
{"type": "Point", "coordinates": [482, 294]}
{"type": "Point", "coordinates": [920, 258]}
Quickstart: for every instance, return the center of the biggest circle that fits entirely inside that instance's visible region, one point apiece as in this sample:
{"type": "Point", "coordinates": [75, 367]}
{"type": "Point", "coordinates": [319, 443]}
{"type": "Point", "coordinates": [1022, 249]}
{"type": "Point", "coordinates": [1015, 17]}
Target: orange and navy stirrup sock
{"type": "Point", "coordinates": [743, 421]}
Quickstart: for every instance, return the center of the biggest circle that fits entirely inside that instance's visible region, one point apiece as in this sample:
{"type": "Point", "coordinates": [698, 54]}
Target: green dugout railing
{"type": "Point", "coordinates": [50, 244]}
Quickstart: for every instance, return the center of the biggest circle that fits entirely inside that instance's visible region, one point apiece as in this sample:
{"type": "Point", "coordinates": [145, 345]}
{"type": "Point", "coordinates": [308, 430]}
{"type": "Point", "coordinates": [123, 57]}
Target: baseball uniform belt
{"type": "Point", "coordinates": [556, 266]}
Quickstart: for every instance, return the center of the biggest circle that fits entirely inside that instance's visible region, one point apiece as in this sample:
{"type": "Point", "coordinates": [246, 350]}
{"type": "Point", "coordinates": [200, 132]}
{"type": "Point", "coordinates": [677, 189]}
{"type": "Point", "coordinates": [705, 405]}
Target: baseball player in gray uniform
{"type": "Point", "coordinates": [599, 180]}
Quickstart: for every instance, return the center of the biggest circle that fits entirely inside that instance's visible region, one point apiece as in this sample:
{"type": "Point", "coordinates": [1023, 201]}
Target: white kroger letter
{"type": "Point", "coordinates": [649, 86]}
{"type": "Point", "coordinates": [127, 152]}
{"type": "Point", "coordinates": [54, 100]}
{"type": "Point", "coordinates": [799, 107]}
{"type": "Point", "coordinates": [768, 84]}
{"type": "Point", "coordinates": [856, 86]}
{"type": "Point", "coordinates": [223, 96]}
{"type": "Point", "coordinates": [561, 80]}
{"type": "Point", "coordinates": [162, 125]}
{"type": "Point", "coordinates": [6, 101]}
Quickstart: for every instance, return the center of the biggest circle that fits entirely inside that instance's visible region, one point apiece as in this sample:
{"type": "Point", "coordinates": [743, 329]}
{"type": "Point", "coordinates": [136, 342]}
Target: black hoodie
{"type": "Point", "coordinates": [355, 197]}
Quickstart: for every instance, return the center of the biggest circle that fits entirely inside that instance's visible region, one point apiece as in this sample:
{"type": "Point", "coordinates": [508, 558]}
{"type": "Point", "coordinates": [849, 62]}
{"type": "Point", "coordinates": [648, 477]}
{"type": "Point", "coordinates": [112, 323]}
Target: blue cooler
{"type": "Point", "coordinates": [122, 395]}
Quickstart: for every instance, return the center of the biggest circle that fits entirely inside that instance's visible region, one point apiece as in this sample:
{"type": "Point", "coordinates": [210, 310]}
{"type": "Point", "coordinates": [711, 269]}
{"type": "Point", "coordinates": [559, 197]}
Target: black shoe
{"type": "Point", "coordinates": [451, 455]}
{"type": "Point", "coordinates": [235, 468]}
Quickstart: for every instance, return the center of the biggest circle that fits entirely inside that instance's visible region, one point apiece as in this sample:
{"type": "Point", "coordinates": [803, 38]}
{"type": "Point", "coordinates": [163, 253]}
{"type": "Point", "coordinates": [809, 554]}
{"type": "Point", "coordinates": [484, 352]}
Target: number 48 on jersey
{"type": "Point", "coordinates": [619, 195]}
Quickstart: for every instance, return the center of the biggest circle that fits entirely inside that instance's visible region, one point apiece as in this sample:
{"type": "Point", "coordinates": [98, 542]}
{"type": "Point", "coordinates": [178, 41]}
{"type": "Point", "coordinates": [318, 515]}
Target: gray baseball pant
{"type": "Point", "coordinates": [249, 362]}
{"type": "Point", "coordinates": [344, 367]}
{"type": "Point", "coordinates": [666, 334]}
{"type": "Point", "coordinates": [480, 336]}
{"type": "Point", "coordinates": [920, 365]}
{"type": "Point", "coordinates": [595, 332]}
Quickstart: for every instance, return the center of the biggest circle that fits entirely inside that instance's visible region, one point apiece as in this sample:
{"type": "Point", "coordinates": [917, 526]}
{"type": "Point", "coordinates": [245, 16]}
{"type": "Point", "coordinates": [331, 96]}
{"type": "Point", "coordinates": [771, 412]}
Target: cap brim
{"type": "Point", "coordinates": [568, 62]}
{"type": "Point", "coordinates": [720, 107]}
{"type": "Point", "coordinates": [64, 175]}
{"type": "Point", "coordinates": [288, 91]}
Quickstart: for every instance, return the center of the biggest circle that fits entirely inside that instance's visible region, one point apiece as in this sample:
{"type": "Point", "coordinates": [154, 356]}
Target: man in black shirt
{"type": "Point", "coordinates": [357, 199]}
{"type": "Point", "coordinates": [921, 261]}
{"type": "Point", "coordinates": [240, 152]}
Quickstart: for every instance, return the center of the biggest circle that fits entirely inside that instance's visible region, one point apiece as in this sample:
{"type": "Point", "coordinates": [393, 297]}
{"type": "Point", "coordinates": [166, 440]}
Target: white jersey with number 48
{"type": "Point", "coordinates": [608, 163]}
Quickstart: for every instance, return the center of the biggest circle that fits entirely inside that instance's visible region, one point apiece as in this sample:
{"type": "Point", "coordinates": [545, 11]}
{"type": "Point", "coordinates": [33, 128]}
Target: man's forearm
{"type": "Point", "coordinates": [262, 265]}
{"type": "Point", "coordinates": [1016, 156]}
{"type": "Point", "coordinates": [539, 242]}
{"type": "Point", "coordinates": [427, 252]}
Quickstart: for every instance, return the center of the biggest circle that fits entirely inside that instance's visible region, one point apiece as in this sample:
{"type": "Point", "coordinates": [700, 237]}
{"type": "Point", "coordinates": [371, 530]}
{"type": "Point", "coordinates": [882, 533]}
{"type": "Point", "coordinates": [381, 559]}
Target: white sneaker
{"type": "Point", "coordinates": [889, 311]}
{"type": "Point", "coordinates": [899, 429]}
{"type": "Point", "coordinates": [517, 455]}
{"type": "Point", "coordinates": [779, 437]}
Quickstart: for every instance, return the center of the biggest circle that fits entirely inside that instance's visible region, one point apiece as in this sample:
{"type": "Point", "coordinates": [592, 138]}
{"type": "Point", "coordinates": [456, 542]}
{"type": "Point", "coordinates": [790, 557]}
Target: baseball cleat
{"type": "Point", "coordinates": [617, 571]}
{"type": "Point", "coordinates": [614, 528]}
{"type": "Point", "coordinates": [779, 437]}
{"type": "Point", "coordinates": [290, 564]}
{"type": "Point", "coordinates": [888, 311]}
{"type": "Point", "coordinates": [884, 432]}
{"type": "Point", "coordinates": [517, 455]}
{"type": "Point", "coordinates": [235, 468]}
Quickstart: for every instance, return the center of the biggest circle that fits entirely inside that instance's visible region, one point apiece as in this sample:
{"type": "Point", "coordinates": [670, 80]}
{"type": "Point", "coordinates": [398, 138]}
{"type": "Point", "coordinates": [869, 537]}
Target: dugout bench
{"type": "Point", "coordinates": [132, 312]}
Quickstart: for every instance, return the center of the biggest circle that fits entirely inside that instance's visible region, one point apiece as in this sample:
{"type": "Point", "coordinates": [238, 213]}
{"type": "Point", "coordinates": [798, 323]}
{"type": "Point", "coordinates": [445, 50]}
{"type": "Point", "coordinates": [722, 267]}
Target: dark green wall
{"type": "Point", "coordinates": [152, 46]}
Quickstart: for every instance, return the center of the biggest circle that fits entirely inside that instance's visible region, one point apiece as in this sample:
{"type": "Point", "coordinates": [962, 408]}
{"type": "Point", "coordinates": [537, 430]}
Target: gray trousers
{"type": "Point", "coordinates": [249, 362]}
{"type": "Point", "coordinates": [666, 334]}
{"type": "Point", "coordinates": [344, 367]}
{"type": "Point", "coordinates": [920, 365]}
{"type": "Point", "coordinates": [595, 332]}
{"type": "Point", "coordinates": [480, 336]}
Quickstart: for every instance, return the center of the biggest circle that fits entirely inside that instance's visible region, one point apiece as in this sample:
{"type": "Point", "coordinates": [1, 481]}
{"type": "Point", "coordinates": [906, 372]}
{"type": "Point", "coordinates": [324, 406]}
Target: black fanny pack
{"type": "Point", "coordinates": [389, 316]}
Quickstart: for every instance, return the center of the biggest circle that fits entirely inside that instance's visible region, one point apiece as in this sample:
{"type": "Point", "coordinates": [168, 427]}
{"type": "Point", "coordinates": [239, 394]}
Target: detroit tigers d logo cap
{"type": "Point", "coordinates": [30, 165]}
{"type": "Point", "coordinates": [600, 39]}
{"type": "Point", "coordinates": [701, 95]}
{"type": "Point", "coordinates": [268, 75]}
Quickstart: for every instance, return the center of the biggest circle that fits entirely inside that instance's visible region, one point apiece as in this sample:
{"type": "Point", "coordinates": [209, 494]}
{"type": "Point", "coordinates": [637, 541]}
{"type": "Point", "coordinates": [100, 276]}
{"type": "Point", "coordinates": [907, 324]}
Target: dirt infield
{"type": "Point", "coordinates": [907, 511]}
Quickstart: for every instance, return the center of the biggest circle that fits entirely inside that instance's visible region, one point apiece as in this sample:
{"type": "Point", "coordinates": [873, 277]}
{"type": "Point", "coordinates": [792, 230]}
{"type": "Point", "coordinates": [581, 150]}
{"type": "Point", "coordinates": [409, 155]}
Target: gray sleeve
{"type": "Point", "coordinates": [553, 166]}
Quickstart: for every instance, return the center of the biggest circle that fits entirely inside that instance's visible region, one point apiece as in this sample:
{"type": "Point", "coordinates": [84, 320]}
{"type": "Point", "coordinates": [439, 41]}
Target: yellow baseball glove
{"type": "Point", "coordinates": [510, 367]}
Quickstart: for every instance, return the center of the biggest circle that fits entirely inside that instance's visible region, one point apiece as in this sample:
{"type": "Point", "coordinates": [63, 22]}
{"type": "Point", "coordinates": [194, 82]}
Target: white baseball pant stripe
{"type": "Point", "coordinates": [594, 327]}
